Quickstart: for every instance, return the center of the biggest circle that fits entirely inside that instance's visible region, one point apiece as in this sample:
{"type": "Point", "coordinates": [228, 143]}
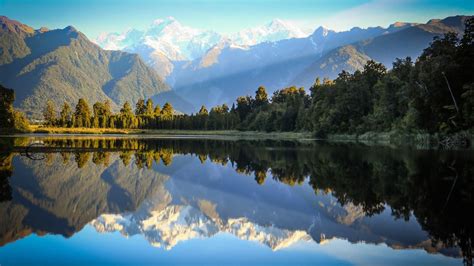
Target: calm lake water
{"type": "Point", "coordinates": [143, 201]}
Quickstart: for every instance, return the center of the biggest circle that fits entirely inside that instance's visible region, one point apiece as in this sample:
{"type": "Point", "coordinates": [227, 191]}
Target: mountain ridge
{"type": "Point", "coordinates": [63, 65]}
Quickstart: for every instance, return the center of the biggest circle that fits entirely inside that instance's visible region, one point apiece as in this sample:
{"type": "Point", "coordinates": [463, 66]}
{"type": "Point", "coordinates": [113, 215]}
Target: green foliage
{"type": "Point", "coordinates": [261, 97]}
{"type": "Point", "coordinates": [49, 113]}
{"type": "Point", "coordinates": [7, 96]}
{"type": "Point", "coordinates": [65, 115]}
{"type": "Point", "coordinates": [203, 111]}
{"type": "Point", "coordinates": [21, 123]}
{"type": "Point", "coordinates": [126, 110]}
{"type": "Point", "coordinates": [11, 119]}
{"type": "Point", "coordinates": [167, 112]}
{"type": "Point", "coordinates": [149, 107]}
{"type": "Point", "coordinates": [435, 94]}
{"type": "Point", "coordinates": [140, 107]}
{"type": "Point", "coordinates": [82, 114]}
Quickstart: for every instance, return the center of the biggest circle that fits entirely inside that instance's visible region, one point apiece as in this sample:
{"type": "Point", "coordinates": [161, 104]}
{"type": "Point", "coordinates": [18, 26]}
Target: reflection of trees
{"type": "Point", "coordinates": [436, 187]}
{"type": "Point", "coordinates": [81, 158]}
{"type": "Point", "coordinates": [6, 170]}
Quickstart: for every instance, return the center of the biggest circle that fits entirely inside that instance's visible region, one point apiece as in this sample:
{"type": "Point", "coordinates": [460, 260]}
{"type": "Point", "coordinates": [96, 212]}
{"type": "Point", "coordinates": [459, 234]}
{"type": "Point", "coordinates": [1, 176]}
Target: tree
{"type": "Point", "coordinates": [149, 107]}
{"type": "Point", "coordinates": [140, 108]}
{"type": "Point", "coordinates": [157, 110]}
{"type": "Point", "coordinates": [107, 109]}
{"type": "Point", "coordinates": [203, 111]}
{"type": "Point", "coordinates": [167, 112]}
{"type": "Point", "coordinates": [7, 97]}
{"type": "Point", "coordinates": [126, 109]}
{"type": "Point", "coordinates": [49, 113]}
{"type": "Point", "coordinates": [65, 114]}
{"type": "Point", "coordinates": [244, 106]}
{"type": "Point", "coordinates": [317, 82]}
{"type": "Point", "coordinates": [261, 97]}
{"type": "Point", "coordinates": [99, 109]}
{"type": "Point", "coordinates": [82, 114]}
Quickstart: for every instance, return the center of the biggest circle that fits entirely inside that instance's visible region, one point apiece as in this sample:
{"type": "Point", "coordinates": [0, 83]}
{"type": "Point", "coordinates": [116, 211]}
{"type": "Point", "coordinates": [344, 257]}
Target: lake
{"type": "Point", "coordinates": [177, 201]}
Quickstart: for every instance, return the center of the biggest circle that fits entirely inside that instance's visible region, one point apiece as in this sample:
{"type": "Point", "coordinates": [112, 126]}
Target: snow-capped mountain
{"type": "Point", "coordinates": [168, 36]}
{"type": "Point", "coordinates": [276, 30]}
{"type": "Point", "coordinates": [162, 43]}
{"type": "Point", "coordinates": [167, 41]}
{"type": "Point", "coordinates": [166, 227]}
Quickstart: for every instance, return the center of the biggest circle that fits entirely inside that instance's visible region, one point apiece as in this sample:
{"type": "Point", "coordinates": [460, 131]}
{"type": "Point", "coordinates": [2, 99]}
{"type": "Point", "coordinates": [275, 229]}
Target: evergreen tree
{"type": "Point", "coordinates": [157, 110]}
{"type": "Point", "coordinates": [261, 97]}
{"type": "Point", "coordinates": [126, 110]}
{"type": "Point", "coordinates": [203, 111]}
{"type": "Point", "coordinates": [82, 114]}
{"type": "Point", "coordinates": [167, 112]}
{"type": "Point", "coordinates": [49, 113]}
{"type": "Point", "coordinates": [65, 115]}
{"type": "Point", "coordinates": [140, 108]}
{"type": "Point", "coordinates": [149, 107]}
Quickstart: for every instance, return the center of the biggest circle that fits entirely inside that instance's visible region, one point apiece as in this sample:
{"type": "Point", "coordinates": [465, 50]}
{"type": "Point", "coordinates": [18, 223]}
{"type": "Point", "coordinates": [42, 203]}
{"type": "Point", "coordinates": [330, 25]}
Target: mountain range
{"type": "Point", "coordinates": [275, 55]}
{"type": "Point", "coordinates": [227, 72]}
{"type": "Point", "coordinates": [64, 65]}
{"type": "Point", "coordinates": [167, 41]}
{"type": "Point", "coordinates": [190, 67]}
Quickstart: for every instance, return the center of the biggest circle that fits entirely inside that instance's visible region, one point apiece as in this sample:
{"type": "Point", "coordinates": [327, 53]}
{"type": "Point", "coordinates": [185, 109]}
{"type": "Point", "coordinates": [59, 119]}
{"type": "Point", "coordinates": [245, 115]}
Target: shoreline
{"type": "Point", "coordinates": [392, 138]}
{"type": "Point", "coordinates": [161, 133]}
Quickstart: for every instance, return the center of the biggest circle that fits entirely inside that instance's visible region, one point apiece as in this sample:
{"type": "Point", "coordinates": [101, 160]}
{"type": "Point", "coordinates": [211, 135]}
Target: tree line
{"type": "Point", "coordinates": [433, 94]}
{"type": "Point", "coordinates": [145, 115]}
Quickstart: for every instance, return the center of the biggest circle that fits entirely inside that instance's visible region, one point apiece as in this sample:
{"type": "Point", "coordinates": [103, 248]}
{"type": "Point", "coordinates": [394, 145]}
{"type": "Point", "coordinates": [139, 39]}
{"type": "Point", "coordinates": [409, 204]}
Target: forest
{"type": "Point", "coordinates": [434, 94]}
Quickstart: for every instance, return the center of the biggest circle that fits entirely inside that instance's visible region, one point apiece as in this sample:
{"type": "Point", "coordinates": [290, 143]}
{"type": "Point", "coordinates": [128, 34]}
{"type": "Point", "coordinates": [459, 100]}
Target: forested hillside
{"type": "Point", "coordinates": [433, 94]}
{"type": "Point", "coordinates": [63, 65]}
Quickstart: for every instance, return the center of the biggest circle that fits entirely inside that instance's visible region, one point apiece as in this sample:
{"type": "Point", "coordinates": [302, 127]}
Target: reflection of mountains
{"type": "Point", "coordinates": [175, 223]}
{"type": "Point", "coordinates": [275, 215]}
{"type": "Point", "coordinates": [61, 198]}
{"type": "Point", "coordinates": [359, 192]}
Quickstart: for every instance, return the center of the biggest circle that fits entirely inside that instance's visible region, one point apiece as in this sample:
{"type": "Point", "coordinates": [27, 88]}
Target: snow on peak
{"type": "Point", "coordinates": [166, 41]}
{"type": "Point", "coordinates": [276, 30]}
{"type": "Point", "coordinates": [321, 31]}
{"type": "Point", "coordinates": [168, 226]}
{"type": "Point", "coordinates": [164, 36]}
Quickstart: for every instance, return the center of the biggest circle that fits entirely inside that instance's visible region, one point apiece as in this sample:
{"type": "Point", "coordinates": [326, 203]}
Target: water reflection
{"type": "Point", "coordinates": [275, 192]}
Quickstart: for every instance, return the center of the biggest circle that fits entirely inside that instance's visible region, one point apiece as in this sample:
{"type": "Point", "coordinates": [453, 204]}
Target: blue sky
{"type": "Point", "coordinates": [95, 16]}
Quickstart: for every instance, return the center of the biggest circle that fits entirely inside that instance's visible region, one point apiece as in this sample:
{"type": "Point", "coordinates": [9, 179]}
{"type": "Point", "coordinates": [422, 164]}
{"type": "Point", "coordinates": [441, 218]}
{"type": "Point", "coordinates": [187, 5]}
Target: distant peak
{"type": "Point", "coordinates": [433, 21]}
{"type": "Point", "coordinates": [398, 24]}
{"type": "Point", "coordinates": [70, 29]}
{"type": "Point", "coordinates": [321, 31]}
{"type": "Point", "coordinates": [277, 22]}
{"type": "Point", "coordinates": [43, 29]}
{"type": "Point", "coordinates": [14, 26]}
{"type": "Point", "coordinates": [165, 21]}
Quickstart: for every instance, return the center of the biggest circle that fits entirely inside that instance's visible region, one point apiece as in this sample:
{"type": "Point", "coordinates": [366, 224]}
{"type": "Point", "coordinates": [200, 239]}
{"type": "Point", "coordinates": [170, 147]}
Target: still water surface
{"type": "Point", "coordinates": [129, 201]}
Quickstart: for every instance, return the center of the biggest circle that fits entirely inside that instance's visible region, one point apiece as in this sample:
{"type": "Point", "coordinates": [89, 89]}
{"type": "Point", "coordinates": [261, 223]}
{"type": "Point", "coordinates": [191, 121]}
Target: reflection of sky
{"type": "Point", "coordinates": [89, 246]}
{"type": "Point", "coordinates": [235, 196]}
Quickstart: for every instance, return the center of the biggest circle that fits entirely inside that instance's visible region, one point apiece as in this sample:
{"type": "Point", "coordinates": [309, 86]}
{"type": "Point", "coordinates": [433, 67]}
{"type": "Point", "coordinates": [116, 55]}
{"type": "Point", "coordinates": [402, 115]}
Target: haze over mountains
{"type": "Point", "coordinates": [202, 67]}
{"type": "Point", "coordinates": [276, 55]}
{"type": "Point", "coordinates": [167, 41]}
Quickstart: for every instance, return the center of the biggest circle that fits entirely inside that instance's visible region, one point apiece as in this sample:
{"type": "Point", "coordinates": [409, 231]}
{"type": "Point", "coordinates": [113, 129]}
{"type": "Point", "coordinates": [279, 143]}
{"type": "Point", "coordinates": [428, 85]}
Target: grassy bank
{"type": "Point", "coordinates": [163, 132]}
{"type": "Point", "coordinates": [418, 140]}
